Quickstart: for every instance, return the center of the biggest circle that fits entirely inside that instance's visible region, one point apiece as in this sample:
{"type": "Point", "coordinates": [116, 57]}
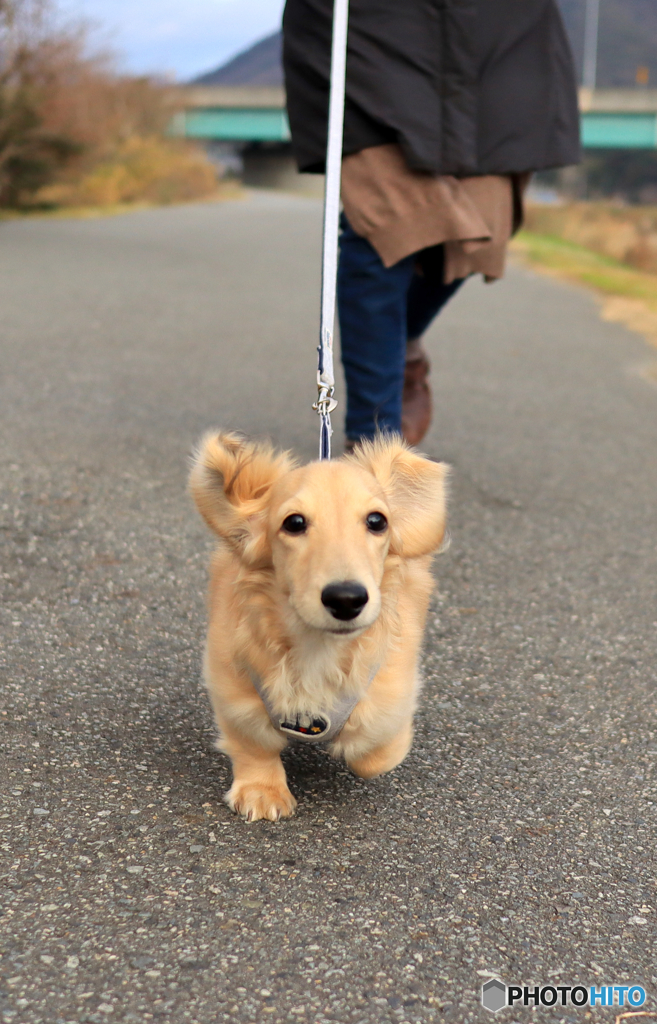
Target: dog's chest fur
{"type": "Point", "coordinates": [309, 679]}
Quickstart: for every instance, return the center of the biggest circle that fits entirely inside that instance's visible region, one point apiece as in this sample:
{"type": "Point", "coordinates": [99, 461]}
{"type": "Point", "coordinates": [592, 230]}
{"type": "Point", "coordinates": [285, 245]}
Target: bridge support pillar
{"type": "Point", "coordinates": [273, 166]}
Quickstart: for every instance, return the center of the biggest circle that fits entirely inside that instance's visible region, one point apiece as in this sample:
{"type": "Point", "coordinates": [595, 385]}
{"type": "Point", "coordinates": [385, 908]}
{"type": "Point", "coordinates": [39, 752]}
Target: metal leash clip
{"type": "Point", "coordinates": [325, 403]}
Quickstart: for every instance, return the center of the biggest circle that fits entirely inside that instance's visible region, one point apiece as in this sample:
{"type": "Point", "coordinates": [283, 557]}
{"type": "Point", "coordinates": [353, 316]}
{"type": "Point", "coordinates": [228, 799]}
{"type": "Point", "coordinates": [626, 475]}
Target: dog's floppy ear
{"type": "Point", "coordinates": [415, 489]}
{"type": "Point", "coordinates": [231, 481]}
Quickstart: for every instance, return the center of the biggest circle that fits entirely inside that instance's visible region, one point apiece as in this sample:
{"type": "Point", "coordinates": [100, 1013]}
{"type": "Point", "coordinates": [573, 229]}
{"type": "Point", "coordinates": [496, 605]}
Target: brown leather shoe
{"type": "Point", "coordinates": [416, 400]}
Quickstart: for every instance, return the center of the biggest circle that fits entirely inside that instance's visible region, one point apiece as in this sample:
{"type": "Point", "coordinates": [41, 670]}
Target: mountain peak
{"type": "Point", "coordinates": [627, 43]}
{"type": "Point", "coordinates": [258, 65]}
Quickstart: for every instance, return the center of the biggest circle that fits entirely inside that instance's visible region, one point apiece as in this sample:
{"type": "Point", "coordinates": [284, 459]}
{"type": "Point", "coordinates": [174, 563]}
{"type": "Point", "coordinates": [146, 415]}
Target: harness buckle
{"type": "Point", "coordinates": [315, 731]}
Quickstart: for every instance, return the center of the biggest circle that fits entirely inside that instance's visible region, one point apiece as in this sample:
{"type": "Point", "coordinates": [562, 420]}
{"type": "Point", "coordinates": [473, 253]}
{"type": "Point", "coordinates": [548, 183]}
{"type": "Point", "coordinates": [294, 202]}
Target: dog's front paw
{"type": "Point", "coordinates": [254, 801]}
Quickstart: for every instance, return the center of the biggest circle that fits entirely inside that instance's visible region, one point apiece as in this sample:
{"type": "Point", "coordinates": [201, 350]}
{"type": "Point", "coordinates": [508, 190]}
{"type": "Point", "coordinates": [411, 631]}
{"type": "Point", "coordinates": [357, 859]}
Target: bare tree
{"type": "Point", "coordinates": [30, 154]}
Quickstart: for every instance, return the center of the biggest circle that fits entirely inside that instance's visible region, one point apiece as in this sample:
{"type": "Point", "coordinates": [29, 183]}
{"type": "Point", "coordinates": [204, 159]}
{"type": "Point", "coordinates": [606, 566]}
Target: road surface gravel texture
{"type": "Point", "coordinates": [517, 839]}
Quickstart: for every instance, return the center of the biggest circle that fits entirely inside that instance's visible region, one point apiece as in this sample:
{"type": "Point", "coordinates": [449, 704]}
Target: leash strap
{"type": "Point", "coordinates": [321, 727]}
{"type": "Point", "coordinates": [326, 403]}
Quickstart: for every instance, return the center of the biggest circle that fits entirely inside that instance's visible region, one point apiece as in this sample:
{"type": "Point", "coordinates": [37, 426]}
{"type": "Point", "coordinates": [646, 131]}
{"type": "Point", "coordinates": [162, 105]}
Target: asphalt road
{"type": "Point", "coordinates": [519, 836]}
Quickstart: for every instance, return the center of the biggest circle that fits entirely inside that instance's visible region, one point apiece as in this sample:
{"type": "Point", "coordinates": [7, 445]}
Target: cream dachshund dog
{"type": "Point", "coordinates": [318, 598]}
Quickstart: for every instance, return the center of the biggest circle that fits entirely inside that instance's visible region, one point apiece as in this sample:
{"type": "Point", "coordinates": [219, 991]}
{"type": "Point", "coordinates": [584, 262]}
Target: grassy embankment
{"type": "Point", "coordinates": [610, 250]}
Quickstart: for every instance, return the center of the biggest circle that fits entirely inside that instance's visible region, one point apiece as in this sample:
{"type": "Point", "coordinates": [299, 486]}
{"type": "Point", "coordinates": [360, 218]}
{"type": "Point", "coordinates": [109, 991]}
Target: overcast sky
{"type": "Point", "coordinates": [185, 37]}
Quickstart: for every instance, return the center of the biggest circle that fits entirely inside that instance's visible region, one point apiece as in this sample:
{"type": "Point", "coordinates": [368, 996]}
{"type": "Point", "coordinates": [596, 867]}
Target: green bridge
{"type": "Point", "coordinates": [611, 118]}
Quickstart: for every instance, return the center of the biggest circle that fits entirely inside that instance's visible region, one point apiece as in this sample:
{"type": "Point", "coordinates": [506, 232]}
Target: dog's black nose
{"type": "Point", "coordinates": [345, 600]}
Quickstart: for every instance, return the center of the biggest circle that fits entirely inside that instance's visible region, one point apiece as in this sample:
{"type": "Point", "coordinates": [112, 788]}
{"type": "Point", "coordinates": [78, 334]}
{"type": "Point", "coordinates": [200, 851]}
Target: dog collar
{"type": "Point", "coordinates": [323, 727]}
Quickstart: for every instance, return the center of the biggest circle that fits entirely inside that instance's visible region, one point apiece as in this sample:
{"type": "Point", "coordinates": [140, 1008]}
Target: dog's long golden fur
{"type": "Point", "coordinates": [371, 520]}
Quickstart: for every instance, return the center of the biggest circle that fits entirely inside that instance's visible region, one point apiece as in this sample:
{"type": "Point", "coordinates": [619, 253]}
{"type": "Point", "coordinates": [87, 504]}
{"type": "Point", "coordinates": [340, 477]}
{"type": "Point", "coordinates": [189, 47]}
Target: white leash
{"type": "Point", "coordinates": [326, 403]}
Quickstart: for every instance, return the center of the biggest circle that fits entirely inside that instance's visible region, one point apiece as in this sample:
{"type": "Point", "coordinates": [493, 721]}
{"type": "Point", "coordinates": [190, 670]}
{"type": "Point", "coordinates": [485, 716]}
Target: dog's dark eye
{"type": "Point", "coordinates": [295, 523]}
{"type": "Point", "coordinates": [376, 522]}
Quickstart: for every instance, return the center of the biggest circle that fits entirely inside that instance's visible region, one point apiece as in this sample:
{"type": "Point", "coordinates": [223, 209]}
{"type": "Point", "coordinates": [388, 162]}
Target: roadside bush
{"type": "Point", "coordinates": [74, 131]}
{"type": "Point", "coordinates": [150, 169]}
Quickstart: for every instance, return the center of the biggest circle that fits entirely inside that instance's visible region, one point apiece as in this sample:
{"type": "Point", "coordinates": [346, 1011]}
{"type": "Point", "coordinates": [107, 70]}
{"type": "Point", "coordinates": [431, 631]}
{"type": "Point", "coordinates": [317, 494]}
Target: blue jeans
{"type": "Point", "coordinates": [380, 309]}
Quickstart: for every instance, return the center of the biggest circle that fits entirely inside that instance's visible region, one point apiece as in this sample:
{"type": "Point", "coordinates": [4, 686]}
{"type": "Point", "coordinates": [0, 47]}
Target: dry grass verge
{"type": "Point", "coordinates": [624, 233]}
{"type": "Point", "coordinates": [222, 193]}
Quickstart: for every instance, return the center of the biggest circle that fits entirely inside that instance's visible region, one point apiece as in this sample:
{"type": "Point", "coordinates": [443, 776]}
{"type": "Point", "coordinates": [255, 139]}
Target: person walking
{"type": "Point", "coordinates": [450, 106]}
